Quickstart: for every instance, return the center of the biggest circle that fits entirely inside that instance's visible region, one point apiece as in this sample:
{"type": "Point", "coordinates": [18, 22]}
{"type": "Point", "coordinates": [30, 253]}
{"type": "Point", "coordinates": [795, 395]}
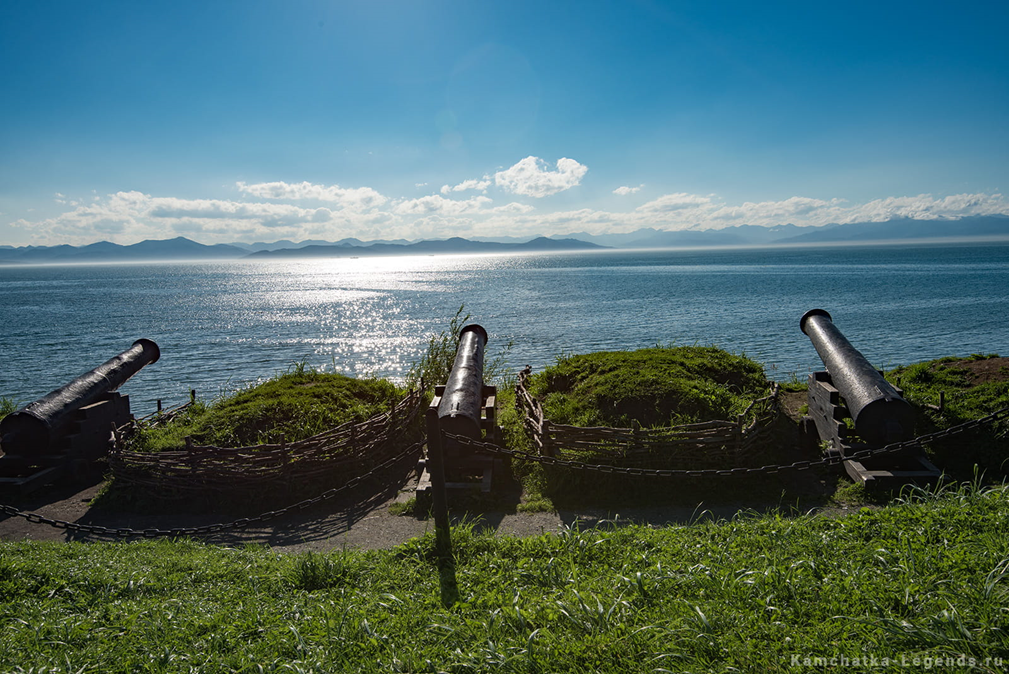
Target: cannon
{"type": "Point", "coordinates": [33, 427]}
{"type": "Point", "coordinates": [877, 409]}
{"type": "Point", "coordinates": [880, 414]}
{"type": "Point", "coordinates": [459, 411]}
{"type": "Point", "coordinates": [71, 426]}
{"type": "Point", "coordinates": [464, 407]}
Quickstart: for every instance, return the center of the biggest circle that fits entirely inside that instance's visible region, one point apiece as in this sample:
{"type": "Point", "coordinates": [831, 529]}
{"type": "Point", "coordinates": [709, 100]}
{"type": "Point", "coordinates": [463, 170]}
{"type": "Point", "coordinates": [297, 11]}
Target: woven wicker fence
{"type": "Point", "coordinates": [710, 444]}
{"type": "Point", "coordinates": [328, 459]}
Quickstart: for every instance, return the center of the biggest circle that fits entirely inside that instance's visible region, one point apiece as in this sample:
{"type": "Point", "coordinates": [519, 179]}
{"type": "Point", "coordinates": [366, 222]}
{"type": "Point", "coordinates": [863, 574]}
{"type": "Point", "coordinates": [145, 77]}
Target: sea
{"type": "Point", "coordinates": [223, 326]}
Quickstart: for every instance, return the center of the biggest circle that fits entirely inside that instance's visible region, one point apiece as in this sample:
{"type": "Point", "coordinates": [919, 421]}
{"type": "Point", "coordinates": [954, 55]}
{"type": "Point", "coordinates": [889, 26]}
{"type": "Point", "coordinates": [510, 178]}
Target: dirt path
{"type": "Point", "coordinates": [330, 524]}
{"type": "Point", "coordinates": [348, 523]}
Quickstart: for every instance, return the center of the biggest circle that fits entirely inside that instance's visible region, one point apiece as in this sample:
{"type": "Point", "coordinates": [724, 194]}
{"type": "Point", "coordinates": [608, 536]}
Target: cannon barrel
{"type": "Point", "coordinates": [459, 411]}
{"type": "Point", "coordinates": [34, 426]}
{"type": "Point", "coordinates": [881, 415]}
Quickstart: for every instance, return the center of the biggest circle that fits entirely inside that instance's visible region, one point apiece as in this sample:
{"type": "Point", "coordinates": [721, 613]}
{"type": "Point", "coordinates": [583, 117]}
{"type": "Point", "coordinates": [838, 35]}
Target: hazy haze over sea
{"type": "Point", "coordinates": [224, 325]}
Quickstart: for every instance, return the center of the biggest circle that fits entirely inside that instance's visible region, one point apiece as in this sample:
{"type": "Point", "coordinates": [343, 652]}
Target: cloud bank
{"type": "Point", "coordinates": [513, 202]}
{"type": "Point", "coordinates": [530, 177]}
{"type": "Point", "coordinates": [480, 185]}
{"type": "Point", "coordinates": [361, 198]}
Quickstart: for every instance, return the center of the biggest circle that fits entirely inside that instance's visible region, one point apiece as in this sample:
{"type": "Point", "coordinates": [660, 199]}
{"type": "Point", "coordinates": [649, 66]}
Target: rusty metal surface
{"type": "Point", "coordinates": [880, 414]}
{"type": "Point", "coordinates": [33, 427]}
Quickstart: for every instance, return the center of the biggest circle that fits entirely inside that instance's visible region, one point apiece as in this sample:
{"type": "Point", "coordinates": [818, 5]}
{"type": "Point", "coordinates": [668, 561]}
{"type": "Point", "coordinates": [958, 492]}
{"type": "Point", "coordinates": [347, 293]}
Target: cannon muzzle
{"type": "Point", "coordinates": [459, 411]}
{"type": "Point", "coordinates": [881, 415]}
{"type": "Point", "coordinates": [34, 426]}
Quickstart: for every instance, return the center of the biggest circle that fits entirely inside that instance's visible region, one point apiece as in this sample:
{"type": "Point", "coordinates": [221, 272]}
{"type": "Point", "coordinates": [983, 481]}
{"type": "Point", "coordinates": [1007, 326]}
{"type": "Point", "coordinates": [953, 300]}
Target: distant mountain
{"type": "Point", "coordinates": [168, 249]}
{"type": "Point", "coordinates": [986, 226]}
{"type": "Point", "coordinates": [455, 245]}
{"type": "Point", "coordinates": [517, 239]}
{"type": "Point", "coordinates": [740, 235]}
{"type": "Point", "coordinates": [285, 244]}
{"type": "Point", "coordinates": [754, 235]}
{"type": "Point", "coordinates": [975, 227]}
{"type": "Point", "coordinates": [259, 245]}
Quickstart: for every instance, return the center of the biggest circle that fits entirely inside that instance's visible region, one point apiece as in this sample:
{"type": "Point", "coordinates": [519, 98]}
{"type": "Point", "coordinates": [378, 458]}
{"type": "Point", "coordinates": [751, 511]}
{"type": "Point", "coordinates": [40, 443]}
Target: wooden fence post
{"type": "Point", "coordinates": [439, 503]}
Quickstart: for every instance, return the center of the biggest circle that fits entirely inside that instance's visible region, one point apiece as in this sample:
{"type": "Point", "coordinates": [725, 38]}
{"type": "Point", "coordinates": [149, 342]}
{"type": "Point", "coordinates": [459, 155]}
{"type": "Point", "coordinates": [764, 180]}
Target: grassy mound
{"type": "Point", "coordinates": [973, 387]}
{"type": "Point", "coordinates": [297, 405]}
{"type": "Point", "coordinates": [653, 387]}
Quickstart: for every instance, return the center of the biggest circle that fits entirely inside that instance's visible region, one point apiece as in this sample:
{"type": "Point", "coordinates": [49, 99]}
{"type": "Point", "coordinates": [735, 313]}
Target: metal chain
{"type": "Point", "coordinates": [127, 532]}
{"type": "Point", "coordinates": [725, 472]}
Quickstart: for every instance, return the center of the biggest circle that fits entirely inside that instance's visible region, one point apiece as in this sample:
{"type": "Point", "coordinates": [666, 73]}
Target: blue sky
{"type": "Point", "coordinates": [253, 121]}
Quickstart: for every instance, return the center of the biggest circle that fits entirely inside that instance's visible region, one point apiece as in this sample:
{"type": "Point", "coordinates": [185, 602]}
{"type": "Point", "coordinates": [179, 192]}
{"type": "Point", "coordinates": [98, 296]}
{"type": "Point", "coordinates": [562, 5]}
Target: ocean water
{"type": "Point", "coordinates": [225, 325]}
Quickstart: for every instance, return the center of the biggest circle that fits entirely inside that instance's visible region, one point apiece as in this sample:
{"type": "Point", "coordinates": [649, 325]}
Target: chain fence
{"type": "Point", "coordinates": [541, 458]}
{"type": "Point", "coordinates": [321, 459]}
{"type": "Point", "coordinates": [127, 532]}
{"type": "Point", "coordinates": [706, 444]}
{"type": "Point", "coordinates": [860, 455]}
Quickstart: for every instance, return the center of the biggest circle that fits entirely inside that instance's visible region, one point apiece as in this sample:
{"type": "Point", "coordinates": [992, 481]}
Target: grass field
{"type": "Point", "coordinates": [922, 583]}
{"type": "Point", "coordinates": [926, 578]}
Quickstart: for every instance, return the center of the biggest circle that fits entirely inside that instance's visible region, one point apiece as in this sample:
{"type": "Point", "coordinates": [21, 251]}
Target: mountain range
{"type": "Point", "coordinates": [974, 227]}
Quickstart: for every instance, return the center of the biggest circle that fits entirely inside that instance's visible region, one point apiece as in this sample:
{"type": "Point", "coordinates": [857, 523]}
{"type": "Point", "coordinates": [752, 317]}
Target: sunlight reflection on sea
{"type": "Point", "coordinates": [224, 325]}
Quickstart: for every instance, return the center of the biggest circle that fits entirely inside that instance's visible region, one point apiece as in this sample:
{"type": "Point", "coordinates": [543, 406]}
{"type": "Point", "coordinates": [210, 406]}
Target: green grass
{"type": "Point", "coordinates": [435, 363]}
{"type": "Point", "coordinates": [295, 405]}
{"type": "Point", "coordinates": [408, 507]}
{"type": "Point", "coordinates": [655, 387]}
{"type": "Point", "coordinates": [922, 383]}
{"type": "Point", "coordinates": [926, 578]}
{"type": "Point", "coordinates": [7, 405]}
{"type": "Point", "coordinates": [661, 386]}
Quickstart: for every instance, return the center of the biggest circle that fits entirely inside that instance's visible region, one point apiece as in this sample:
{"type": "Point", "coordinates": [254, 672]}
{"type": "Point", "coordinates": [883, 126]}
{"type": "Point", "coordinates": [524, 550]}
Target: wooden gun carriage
{"type": "Point", "coordinates": [65, 432]}
{"type": "Point", "coordinates": [852, 389]}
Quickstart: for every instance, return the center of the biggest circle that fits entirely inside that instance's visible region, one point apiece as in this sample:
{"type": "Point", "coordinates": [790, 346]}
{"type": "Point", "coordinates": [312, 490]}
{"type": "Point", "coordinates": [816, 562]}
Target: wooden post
{"type": "Point", "coordinates": [439, 503]}
{"type": "Point", "coordinates": [192, 396]}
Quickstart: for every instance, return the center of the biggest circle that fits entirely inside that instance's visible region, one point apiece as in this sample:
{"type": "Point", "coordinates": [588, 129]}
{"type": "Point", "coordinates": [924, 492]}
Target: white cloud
{"type": "Point", "coordinates": [530, 177]}
{"type": "Point", "coordinates": [437, 204]}
{"type": "Point", "coordinates": [624, 190]}
{"type": "Point", "coordinates": [924, 207]}
{"type": "Point", "coordinates": [480, 185]}
{"type": "Point", "coordinates": [130, 216]}
{"type": "Point", "coordinates": [679, 201]}
{"type": "Point", "coordinates": [683, 211]}
{"type": "Point", "coordinates": [794, 210]}
{"type": "Point", "coordinates": [513, 207]}
{"type": "Point", "coordinates": [357, 198]}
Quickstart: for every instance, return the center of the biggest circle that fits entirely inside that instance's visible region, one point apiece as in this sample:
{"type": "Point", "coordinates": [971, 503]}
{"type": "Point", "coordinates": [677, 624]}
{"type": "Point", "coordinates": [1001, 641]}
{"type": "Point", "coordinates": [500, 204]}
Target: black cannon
{"type": "Point", "coordinates": [463, 407]}
{"type": "Point", "coordinates": [880, 414]}
{"type": "Point", "coordinates": [878, 410]}
{"type": "Point", "coordinates": [38, 427]}
{"type": "Point", "coordinates": [459, 411]}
